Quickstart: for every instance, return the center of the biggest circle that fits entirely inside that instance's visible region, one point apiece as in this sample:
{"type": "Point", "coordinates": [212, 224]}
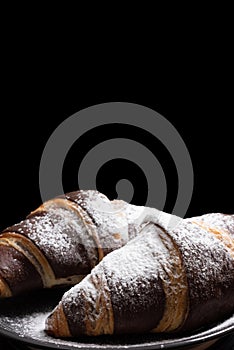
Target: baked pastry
{"type": "Point", "coordinates": [166, 279]}
{"type": "Point", "coordinates": [61, 241]}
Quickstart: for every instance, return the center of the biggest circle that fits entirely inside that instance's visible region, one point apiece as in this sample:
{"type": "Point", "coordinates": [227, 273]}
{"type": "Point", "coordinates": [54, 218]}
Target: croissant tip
{"type": "Point", "coordinates": [56, 324]}
{"type": "Point", "coordinates": [49, 325]}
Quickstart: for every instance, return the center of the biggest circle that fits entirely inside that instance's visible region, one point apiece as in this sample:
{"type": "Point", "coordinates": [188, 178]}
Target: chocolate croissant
{"type": "Point", "coordinates": [166, 279]}
{"type": "Point", "coordinates": [61, 241]}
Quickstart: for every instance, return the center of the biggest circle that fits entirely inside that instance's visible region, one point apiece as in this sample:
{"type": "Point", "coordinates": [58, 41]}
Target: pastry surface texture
{"type": "Point", "coordinates": [62, 240]}
{"type": "Point", "coordinates": [167, 279]}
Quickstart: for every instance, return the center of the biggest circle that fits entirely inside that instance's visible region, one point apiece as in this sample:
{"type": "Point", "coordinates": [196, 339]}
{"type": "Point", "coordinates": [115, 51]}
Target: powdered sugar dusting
{"type": "Point", "coordinates": [133, 267]}
{"type": "Point", "coordinates": [131, 263]}
{"type": "Point", "coordinates": [110, 220]}
{"type": "Point", "coordinates": [207, 261]}
{"type": "Point", "coordinates": [131, 272]}
{"type": "Point", "coordinates": [57, 234]}
{"type": "Point", "coordinates": [30, 328]}
{"type": "Point", "coordinates": [218, 220]}
{"type": "Point", "coordinates": [31, 325]}
{"type": "Point", "coordinates": [117, 216]}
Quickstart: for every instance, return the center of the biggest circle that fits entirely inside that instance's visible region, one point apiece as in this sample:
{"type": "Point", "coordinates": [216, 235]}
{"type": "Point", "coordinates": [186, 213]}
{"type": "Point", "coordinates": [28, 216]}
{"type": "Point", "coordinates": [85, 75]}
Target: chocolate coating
{"type": "Point", "coordinates": [214, 305]}
{"type": "Point", "coordinates": [75, 313]}
{"type": "Point", "coordinates": [82, 199]}
{"type": "Point", "coordinates": [209, 269]}
{"type": "Point", "coordinates": [112, 230]}
{"type": "Point", "coordinates": [40, 222]}
{"type": "Point", "coordinates": [136, 316]}
{"type": "Point", "coordinates": [17, 271]}
{"type": "Point", "coordinates": [133, 274]}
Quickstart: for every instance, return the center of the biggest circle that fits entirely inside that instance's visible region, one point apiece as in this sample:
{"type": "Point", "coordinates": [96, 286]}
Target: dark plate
{"type": "Point", "coordinates": [22, 319]}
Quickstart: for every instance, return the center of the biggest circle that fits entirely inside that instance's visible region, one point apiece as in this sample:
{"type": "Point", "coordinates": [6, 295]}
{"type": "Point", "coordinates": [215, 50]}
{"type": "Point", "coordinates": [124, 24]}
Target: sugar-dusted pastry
{"type": "Point", "coordinates": [61, 241]}
{"type": "Point", "coordinates": [165, 279]}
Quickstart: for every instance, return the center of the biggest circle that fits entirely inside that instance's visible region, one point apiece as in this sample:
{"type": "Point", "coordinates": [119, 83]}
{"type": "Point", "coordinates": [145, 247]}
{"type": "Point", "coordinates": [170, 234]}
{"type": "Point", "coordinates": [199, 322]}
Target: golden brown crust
{"type": "Point", "coordinates": [222, 234]}
{"type": "Point", "coordinates": [62, 323]}
{"type": "Point", "coordinates": [32, 253]}
{"type": "Point", "coordinates": [65, 203]}
{"type": "Point", "coordinates": [5, 291]}
{"type": "Point", "coordinates": [56, 324]}
{"type": "Point", "coordinates": [104, 324]}
{"type": "Point", "coordinates": [25, 246]}
{"type": "Point", "coordinates": [175, 288]}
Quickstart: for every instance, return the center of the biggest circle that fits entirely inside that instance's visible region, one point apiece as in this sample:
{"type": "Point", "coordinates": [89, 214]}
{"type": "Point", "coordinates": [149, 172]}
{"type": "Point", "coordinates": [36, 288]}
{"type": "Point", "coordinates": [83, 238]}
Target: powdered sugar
{"type": "Point", "coordinates": [132, 273]}
{"type": "Point", "coordinates": [30, 328]}
{"type": "Point", "coordinates": [57, 234]}
{"type": "Point", "coordinates": [109, 218]}
{"type": "Point", "coordinates": [207, 262]}
{"type": "Point", "coordinates": [128, 265]}
{"type": "Point", "coordinates": [219, 221]}
{"type": "Point", "coordinates": [205, 258]}
{"type": "Point", "coordinates": [31, 325]}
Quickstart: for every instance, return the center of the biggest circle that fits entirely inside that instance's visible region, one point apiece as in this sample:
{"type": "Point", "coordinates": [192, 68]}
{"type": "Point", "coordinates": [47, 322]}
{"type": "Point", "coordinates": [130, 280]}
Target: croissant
{"type": "Point", "coordinates": [62, 240]}
{"type": "Point", "coordinates": [166, 279]}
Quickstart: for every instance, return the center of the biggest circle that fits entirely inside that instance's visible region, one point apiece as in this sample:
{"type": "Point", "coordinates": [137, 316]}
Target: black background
{"type": "Point", "coordinates": [190, 84]}
{"type": "Point", "coordinates": [180, 67]}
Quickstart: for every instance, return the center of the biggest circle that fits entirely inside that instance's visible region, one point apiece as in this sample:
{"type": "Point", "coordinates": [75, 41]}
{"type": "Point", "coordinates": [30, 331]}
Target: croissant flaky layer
{"type": "Point", "coordinates": [61, 241]}
{"type": "Point", "coordinates": [164, 280]}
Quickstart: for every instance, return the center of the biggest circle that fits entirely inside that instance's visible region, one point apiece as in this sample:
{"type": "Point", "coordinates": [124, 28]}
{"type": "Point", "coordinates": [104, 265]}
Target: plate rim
{"type": "Point", "coordinates": [195, 339]}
